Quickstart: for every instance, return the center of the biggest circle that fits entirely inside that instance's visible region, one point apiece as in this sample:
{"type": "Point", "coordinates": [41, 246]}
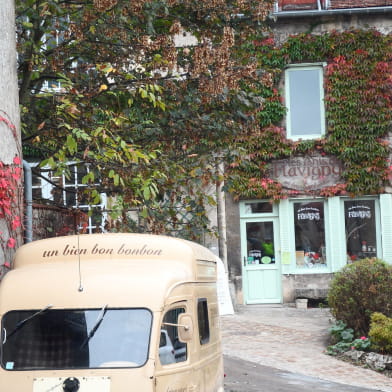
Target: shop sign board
{"type": "Point", "coordinates": [307, 173]}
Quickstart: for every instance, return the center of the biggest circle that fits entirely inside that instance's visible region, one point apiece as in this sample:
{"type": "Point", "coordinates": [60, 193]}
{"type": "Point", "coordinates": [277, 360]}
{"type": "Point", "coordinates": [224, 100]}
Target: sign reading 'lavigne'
{"type": "Point", "coordinates": [307, 173]}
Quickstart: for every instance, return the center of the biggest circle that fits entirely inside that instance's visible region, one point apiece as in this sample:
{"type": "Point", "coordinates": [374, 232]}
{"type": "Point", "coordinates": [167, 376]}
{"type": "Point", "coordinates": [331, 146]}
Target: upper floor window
{"type": "Point", "coordinates": [305, 102]}
{"type": "Point", "coordinates": [299, 5]}
{"type": "Point", "coordinates": [67, 191]}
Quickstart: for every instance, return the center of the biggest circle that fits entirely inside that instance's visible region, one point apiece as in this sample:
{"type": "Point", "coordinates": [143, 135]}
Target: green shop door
{"type": "Point", "coordinates": [261, 261]}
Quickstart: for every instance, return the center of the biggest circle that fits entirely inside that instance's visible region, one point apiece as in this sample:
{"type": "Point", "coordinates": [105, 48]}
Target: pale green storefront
{"type": "Point", "coordinates": [264, 277]}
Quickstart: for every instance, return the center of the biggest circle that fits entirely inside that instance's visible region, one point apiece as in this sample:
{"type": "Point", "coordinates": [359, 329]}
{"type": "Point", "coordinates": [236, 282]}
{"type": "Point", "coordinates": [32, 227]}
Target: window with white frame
{"type": "Point", "coordinates": [309, 229]}
{"type": "Point", "coordinates": [304, 94]}
{"type": "Point", "coordinates": [68, 191]}
{"type": "Point", "coordinates": [360, 227]}
{"type": "Point", "coordinates": [50, 42]}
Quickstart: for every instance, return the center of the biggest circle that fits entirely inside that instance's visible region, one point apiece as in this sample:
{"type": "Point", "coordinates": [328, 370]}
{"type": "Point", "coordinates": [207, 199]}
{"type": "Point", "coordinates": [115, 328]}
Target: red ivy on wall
{"type": "Point", "coordinates": [358, 102]}
{"type": "Point", "coordinates": [10, 178]}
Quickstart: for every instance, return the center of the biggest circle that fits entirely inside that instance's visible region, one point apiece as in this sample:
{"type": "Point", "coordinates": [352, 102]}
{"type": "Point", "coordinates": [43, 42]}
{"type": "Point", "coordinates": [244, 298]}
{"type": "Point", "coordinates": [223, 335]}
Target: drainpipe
{"type": "Point", "coordinates": [28, 191]}
{"type": "Point", "coordinates": [221, 215]}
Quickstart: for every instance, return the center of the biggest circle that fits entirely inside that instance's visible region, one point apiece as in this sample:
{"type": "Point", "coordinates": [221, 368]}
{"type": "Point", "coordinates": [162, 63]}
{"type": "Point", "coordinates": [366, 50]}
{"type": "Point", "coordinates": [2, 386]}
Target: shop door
{"type": "Point", "coordinates": [261, 261]}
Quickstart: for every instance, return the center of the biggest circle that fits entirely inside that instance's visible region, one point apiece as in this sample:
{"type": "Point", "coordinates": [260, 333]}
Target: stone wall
{"type": "Point", "coordinates": [51, 221]}
{"type": "Point", "coordinates": [284, 27]}
{"type": "Point", "coordinates": [311, 286]}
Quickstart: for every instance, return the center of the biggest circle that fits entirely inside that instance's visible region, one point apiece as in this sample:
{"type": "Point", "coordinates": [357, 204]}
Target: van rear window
{"type": "Point", "coordinates": [75, 339]}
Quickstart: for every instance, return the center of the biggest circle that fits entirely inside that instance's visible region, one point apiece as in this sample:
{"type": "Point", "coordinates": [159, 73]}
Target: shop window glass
{"type": "Point", "coordinates": [202, 318]}
{"type": "Point", "coordinates": [258, 208]}
{"type": "Point", "coordinates": [171, 350]}
{"type": "Point", "coordinates": [310, 234]}
{"type": "Point", "coordinates": [361, 240]}
{"type": "Point", "coordinates": [259, 236]}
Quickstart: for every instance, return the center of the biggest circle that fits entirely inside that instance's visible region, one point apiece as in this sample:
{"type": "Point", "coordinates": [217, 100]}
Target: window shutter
{"type": "Point", "coordinates": [285, 231]}
{"type": "Point", "coordinates": [336, 236]}
{"type": "Point", "coordinates": [386, 226]}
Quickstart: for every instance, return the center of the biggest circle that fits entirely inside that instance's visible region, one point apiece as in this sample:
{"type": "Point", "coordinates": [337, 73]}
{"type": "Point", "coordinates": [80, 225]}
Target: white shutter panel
{"type": "Point", "coordinates": [286, 227]}
{"type": "Point", "coordinates": [336, 236]}
{"type": "Point", "coordinates": [386, 227]}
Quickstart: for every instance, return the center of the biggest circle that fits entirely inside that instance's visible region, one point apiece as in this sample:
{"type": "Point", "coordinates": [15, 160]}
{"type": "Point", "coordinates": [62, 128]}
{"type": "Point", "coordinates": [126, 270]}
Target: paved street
{"type": "Point", "coordinates": [291, 340]}
{"type": "Point", "coordinates": [244, 376]}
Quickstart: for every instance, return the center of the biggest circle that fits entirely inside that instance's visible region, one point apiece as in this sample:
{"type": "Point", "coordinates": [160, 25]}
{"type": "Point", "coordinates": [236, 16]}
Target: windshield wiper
{"type": "Point", "coordinates": [96, 325]}
{"type": "Point", "coordinates": [23, 322]}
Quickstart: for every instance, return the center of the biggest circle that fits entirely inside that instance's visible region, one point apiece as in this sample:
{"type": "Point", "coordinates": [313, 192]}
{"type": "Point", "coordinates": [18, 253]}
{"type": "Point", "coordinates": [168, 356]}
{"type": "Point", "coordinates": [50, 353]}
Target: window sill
{"type": "Point", "coordinates": [313, 270]}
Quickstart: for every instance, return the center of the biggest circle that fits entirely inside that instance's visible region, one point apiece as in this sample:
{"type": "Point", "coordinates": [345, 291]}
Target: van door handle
{"type": "Point", "coordinates": [244, 261]}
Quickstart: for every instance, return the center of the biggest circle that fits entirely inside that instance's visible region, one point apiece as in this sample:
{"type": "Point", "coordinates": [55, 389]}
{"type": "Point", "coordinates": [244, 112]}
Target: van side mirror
{"type": "Point", "coordinates": [185, 327]}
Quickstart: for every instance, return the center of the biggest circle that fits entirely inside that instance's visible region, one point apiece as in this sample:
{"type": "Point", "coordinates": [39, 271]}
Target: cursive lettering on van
{"type": "Point", "coordinates": [142, 251]}
{"type": "Point", "coordinates": [50, 253]}
{"type": "Point", "coordinates": [71, 250]}
{"type": "Point", "coordinates": [99, 250]}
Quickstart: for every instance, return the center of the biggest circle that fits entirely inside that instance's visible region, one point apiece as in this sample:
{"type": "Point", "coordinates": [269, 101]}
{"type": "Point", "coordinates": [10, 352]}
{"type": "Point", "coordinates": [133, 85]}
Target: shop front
{"type": "Point", "coordinates": [324, 159]}
{"type": "Point", "coordinates": [292, 247]}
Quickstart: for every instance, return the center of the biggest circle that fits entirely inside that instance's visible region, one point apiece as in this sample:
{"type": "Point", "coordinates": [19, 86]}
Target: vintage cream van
{"type": "Point", "coordinates": [111, 313]}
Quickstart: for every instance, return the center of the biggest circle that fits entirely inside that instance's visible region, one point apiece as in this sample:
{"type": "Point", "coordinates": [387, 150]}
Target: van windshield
{"type": "Point", "coordinates": [75, 338]}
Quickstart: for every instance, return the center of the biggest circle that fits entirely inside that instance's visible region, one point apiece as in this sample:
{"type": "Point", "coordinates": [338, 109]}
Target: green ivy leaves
{"type": "Point", "coordinates": [358, 102]}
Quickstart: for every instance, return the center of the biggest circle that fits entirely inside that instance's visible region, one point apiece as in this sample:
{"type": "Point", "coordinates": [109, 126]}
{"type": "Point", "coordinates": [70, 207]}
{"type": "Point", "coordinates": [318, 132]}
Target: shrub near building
{"type": "Point", "coordinates": [381, 333]}
{"type": "Point", "coordinates": [359, 290]}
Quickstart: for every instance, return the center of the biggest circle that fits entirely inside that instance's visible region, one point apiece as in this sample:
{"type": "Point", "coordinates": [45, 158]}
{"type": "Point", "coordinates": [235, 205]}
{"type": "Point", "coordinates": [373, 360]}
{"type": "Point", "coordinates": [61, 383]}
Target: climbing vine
{"type": "Point", "coordinates": [358, 102]}
{"type": "Point", "coordinates": [10, 179]}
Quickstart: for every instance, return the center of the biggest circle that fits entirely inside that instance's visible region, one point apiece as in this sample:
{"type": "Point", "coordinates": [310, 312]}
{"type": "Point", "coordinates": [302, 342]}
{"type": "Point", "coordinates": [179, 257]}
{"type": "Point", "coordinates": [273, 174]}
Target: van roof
{"type": "Point", "coordinates": [110, 246]}
{"type": "Point", "coordinates": [114, 269]}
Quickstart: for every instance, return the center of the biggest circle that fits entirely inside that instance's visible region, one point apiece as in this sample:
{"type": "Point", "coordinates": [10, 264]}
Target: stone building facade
{"type": "Point", "coordinates": [290, 248]}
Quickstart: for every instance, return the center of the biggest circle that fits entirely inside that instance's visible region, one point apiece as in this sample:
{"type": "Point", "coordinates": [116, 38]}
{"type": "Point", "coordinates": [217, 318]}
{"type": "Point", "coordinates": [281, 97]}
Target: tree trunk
{"type": "Point", "coordinates": [11, 192]}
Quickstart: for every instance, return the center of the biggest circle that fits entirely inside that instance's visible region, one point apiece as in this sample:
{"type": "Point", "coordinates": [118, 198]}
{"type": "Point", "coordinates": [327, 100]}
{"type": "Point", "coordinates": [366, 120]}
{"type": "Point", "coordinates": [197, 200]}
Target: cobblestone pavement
{"type": "Point", "coordinates": [294, 340]}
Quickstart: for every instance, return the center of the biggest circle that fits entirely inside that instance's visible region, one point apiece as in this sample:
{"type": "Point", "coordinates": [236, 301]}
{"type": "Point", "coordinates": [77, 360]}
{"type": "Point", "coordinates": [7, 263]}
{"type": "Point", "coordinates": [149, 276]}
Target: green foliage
{"type": "Point", "coordinates": [360, 289]}
{"type": "Point", "coordinates": [358, 104]}
{"type": "Point", "coordinates": [104, 84]}
{"type": "Point", "coordinates": [343, 340]}
{"type": "Point", "coordinates": [340, 332]}
{"type": "Point", "coordinates": [381, 332]}
{"type": "Point", "coordinates": [146, 113]}
{"type": "Point", "coordinates": [338, 348]}
{"type": "Point", "coordinates": [363, 343]}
